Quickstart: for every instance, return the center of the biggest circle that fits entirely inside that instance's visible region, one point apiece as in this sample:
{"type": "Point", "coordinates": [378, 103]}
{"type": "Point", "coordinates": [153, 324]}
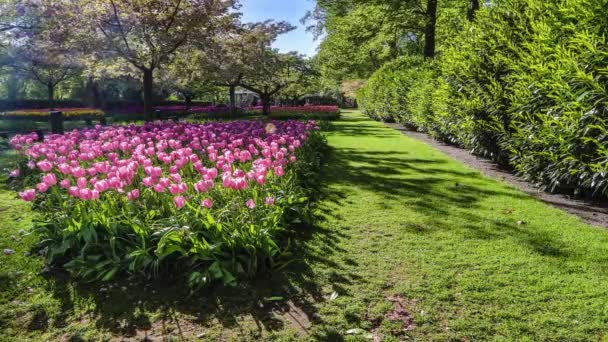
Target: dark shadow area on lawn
{"type": "Point", "coordinates": [438, 190]}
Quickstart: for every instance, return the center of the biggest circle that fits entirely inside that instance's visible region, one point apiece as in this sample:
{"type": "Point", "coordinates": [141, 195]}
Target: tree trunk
{"type": "Point", "coordinates": [265, 105]}
{"type": "Point", "coordinates": [232, 99]}
{"type": "Point", "coordinates": [51, 95]}
{"type": "Point", "coordinates": [429, 31]}
{"type": "Point", "coordinates": [92, 99]}
{"type": "Point", "coordinates": [473, 7]}
{"type": "Point", "coordinates": [148, 91]}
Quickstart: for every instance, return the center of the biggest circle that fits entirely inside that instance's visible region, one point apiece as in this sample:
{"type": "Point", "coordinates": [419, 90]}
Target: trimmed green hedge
{"type": "Point", "coordinates": [526, 84]}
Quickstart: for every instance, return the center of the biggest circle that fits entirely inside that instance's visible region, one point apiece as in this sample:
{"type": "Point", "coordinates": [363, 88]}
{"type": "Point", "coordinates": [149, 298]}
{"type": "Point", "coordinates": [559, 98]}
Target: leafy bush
{"type": "Point", "coordinates": [204, 201]}
{"type": "Point", "coordinates": [525, 84]}
{"type": "Point", "coordinates": [384, 96]}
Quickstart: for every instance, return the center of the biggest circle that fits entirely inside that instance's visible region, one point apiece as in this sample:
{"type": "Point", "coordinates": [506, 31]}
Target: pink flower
{"type": "Point", "coordinates": [81, 182]}
{"type": "Point", "coordinates": [15, 173]}
{"type": "Point", "coordinates": [261, 179]}
{"type": "Point", "coordinates": [176, 177]}
{"type": "Point", "coordinates": [28, 195]}
{"type": "Point", "coordinates": [148, 181]}
{"type": "Point", "coordinates": [102, 185]}
{"type": "Point", "coordinates": [250, 203]}
{"type": "Point", "coordinates": [42, 187]}
{"type": "Point", "coordinates": [208, 203]}
{"type": "Point", "coordinates": [279, 171]}
{"type": "Point", "coordinates": [159, 188]}
{"type": "Point", "coordinates": [49, 179]}
{"type": "Point", "coordinates": [66, 183]}
{"type": "Point", "coordinates": [203, 186]}
{"type": "Point", "coordinates": [180, 201]}
{"type": "Point", "coordinates": [270, 200]}
{"type": "Point", "coordinates": [86, 194]}
{"type": "Point", "coordinates": [45, 165]}
{"type": "Point", "coordinates": [133, 194]}
{"type": "Point", "coordinates": [78, 172]}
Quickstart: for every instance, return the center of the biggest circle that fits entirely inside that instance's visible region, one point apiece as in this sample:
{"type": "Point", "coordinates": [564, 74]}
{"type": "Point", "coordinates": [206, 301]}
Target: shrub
{"type": "Point", "coordinates": [559, 99]}
{"type": "Point", "coordinates": [204, 201]}
{"type": "Point", "coordinates": [384, 96]}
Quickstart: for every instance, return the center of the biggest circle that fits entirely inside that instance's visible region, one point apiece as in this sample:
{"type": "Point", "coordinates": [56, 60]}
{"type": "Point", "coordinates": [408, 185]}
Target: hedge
{"type": "Point", "coordinates": [525, 84]}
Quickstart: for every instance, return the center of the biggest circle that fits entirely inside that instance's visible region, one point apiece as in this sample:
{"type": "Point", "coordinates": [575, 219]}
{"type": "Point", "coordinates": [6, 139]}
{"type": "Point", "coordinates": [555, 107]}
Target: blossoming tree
{"type": "Point", "coordinates": [147, 33]}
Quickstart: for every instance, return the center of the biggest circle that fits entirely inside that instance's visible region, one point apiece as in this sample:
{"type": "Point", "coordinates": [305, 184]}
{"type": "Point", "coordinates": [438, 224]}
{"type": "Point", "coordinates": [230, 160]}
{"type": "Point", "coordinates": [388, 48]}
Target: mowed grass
{"type": "Point", "coordinates": [409, 244]}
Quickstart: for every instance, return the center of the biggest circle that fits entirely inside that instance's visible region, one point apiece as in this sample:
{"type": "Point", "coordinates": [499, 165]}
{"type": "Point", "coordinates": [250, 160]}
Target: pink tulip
{"type": "Point", "coordinates": [148, 181]}
{"type": "Point", "coordinates": [133, 194]}
{"type": "Point", "coordinates": [81, 182]}
{"type": "Point", "coordinates": [28, 195]}
{"type": "Point", "coordinates": [66, 183]}
{"type": "Point", "coordinates": [159, 188]}
{"type": "Point", "coordinates": [270, 201]}
{"type": "Point", "coordinates": [250, 203]}
{"type": "Point", "coordinates": [45, 165]}
{"type": "Point", "coordinates": [180, 202]}
{"type": "Point", "coordinates": [207, 203]}
{"type": "Point", "coordinates": [279, 171]}
{"type": "Point", "coordinates": [49, 179]}
{"type": "Point", "coordinates": [42, 187]}
{"type": "Point", "coordinates": [15, 173]}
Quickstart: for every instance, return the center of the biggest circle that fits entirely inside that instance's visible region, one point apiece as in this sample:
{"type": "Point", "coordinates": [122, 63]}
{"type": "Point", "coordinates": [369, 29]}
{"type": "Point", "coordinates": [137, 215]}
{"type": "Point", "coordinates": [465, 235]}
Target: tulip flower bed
{"type": "Point", "coordinates": [43, 114]}
{"type": "Point", "coordinates": [306, 112]}
{"type": "Point", "coordinates": [309, 112]}
{"type": "Point", "coordinates": [204, 201]}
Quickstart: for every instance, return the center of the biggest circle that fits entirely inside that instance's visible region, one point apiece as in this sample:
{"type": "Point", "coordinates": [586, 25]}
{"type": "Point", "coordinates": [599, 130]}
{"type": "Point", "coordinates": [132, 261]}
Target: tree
{"type": "Point", "coordinates": [148, 33]}
{"type": "Point", "coordinates": [269, 71]}
{"type": "Point", "coordinates": [46, 65]}
{"type": "Point", "coordinates": [39, 44]}
{"type": "Point", "coordinates": [223, 61]}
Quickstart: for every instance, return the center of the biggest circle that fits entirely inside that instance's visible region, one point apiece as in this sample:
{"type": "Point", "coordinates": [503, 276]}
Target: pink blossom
{"type": "Point", "coordinates": [49, 179]}
{"type": "Point", "coordinates": [180, 201]}
{"type": "Point", "coordinates": [45, 165]}
{"type": "Point", "coordinates": [270, 201]}
{"type": "Point", "coordinates": [42, 187]}
{"type": "Point", "coordinates": [208, 203]}
{"type": "Point", "coordinates": [15, 173]}
{"type": "Point", "coordinates": [250, 203]}
{"type": "Point", "coordinates": [28, 195]}
{"type": "Point", "coordinates": [66, 183]}
{"type": "Point", "coordinates": [133, 194]}
{"type": "Point", "coordinates": [82, 182]}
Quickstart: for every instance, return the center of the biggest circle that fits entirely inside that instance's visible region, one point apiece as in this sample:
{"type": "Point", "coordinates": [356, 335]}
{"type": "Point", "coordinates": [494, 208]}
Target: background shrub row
{"type": "Point", "coordinates": [526, 84]}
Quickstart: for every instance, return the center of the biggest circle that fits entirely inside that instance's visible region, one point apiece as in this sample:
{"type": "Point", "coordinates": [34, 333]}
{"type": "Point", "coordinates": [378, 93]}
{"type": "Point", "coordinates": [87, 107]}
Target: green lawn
{"type": "Point", "coordinates": [410, 243]}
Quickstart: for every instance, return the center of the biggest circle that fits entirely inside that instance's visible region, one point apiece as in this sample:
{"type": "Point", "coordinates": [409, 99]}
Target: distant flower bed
{"type": "Point", "coordinates": [204, 201]}
{"type": "Point", "coordinates": [276, 112]}
{"type": "Point", "coordinates": [68, 113]}
{"type": "Point", "coordinates": [306, 112]}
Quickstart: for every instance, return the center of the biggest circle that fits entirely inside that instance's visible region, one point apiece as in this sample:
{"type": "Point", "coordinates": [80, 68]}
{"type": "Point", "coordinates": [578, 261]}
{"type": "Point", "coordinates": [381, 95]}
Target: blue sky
{"type": "Point", "coordinates": [288, 10]}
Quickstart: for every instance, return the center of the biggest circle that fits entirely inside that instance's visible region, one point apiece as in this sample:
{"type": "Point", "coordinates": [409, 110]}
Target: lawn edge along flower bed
{"type": "Point", "coordinates": [198, 202]}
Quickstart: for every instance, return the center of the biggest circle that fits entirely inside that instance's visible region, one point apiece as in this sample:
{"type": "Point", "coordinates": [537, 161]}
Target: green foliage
{"type": "Point", "coordinates": [524, 84]}
{"type": "Point", "coordinates": [384, 96]}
